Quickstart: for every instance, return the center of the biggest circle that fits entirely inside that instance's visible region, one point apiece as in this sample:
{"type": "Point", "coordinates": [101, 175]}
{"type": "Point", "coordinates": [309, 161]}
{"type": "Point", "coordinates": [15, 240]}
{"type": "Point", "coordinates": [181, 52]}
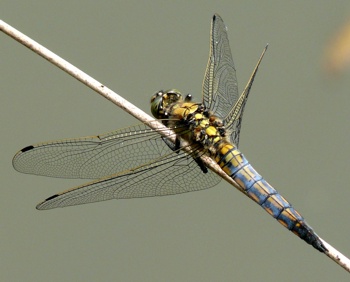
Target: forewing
{"type": "Point", "coordinates": [174, 174]}
{"type": "Point", "coordinates": [92, 157]}
{"type": "Point", "coordinates": [220, 90]}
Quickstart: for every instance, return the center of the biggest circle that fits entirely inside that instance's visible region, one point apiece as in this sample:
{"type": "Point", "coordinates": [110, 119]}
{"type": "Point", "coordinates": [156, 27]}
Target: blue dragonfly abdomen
{"type": "Point", "coordinates": [234, 163]}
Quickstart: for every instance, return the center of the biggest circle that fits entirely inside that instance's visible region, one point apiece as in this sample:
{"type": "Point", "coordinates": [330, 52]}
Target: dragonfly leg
{"type": "Point", "coordinates": [174, 147]}
{"type": "Point", "coordinates": [201, 164]}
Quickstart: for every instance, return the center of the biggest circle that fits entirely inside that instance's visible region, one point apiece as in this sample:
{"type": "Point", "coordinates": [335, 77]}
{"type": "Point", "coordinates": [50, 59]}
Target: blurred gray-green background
{"type": "Point", "coordinates": [295, 133]}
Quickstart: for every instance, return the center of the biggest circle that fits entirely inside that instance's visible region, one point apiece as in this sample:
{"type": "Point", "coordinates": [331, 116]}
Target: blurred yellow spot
{"type": "Point", "coordinates": [337, 53]}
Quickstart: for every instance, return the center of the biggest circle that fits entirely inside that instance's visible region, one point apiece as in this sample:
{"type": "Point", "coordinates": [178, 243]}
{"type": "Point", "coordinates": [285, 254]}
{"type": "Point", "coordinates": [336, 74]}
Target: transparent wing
{"type": "Point", "coordinates": [233, 119]}
{"type": "Point", "coordinates": [92, 157]}
{"type": "Point", "coordinates": [174, 174]}
{"type": "Point", "coordinates": [157, 171]}
{"type": "Point", "coordinates": [220, 89]}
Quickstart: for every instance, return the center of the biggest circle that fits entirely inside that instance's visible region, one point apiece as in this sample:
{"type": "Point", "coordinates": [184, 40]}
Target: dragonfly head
{"type": "Point", "coordinates": [161, 101]}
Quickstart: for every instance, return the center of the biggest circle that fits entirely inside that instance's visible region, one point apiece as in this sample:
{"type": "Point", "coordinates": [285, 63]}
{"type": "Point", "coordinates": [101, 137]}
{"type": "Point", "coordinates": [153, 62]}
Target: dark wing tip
{"type": "Point", "coordinates": [14, 160]}
{"type": "Point", "coordinates": [28, 148]}
{"type": "Point", "coordinates": [40, 205]}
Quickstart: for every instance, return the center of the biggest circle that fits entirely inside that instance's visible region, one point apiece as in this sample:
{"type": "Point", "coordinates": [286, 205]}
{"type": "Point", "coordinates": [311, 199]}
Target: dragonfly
{"type": "Point", "coordinates": [138, 161]}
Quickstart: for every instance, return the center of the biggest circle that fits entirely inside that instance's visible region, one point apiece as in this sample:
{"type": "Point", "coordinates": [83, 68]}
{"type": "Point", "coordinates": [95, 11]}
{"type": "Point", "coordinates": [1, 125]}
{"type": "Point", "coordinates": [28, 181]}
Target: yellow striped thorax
{"type": "Point", "coordinates": [192, 121]}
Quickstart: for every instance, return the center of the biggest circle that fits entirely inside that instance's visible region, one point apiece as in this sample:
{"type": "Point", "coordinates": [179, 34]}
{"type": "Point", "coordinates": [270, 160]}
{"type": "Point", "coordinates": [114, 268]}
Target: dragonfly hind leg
{"type": "Point", "coordinates": [176, 148]}
{"type": "Point", "coordinates": [201, 164]}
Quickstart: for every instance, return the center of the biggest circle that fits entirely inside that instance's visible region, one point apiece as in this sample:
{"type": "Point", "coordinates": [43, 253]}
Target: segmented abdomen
{"type": "Point", "coordinates": [233, 162]}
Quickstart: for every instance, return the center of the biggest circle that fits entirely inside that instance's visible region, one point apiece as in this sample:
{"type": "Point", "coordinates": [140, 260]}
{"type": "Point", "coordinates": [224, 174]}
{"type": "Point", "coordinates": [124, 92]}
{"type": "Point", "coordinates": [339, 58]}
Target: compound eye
{"type": "Point", "coordinates": [157, 105]}
{"type": "Point", "coordinates": [157, 94]}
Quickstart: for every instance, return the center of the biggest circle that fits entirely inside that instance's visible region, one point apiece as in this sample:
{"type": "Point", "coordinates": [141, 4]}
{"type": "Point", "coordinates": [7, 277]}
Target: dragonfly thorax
{"type": "Point", "coordinates": [191, 121]}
